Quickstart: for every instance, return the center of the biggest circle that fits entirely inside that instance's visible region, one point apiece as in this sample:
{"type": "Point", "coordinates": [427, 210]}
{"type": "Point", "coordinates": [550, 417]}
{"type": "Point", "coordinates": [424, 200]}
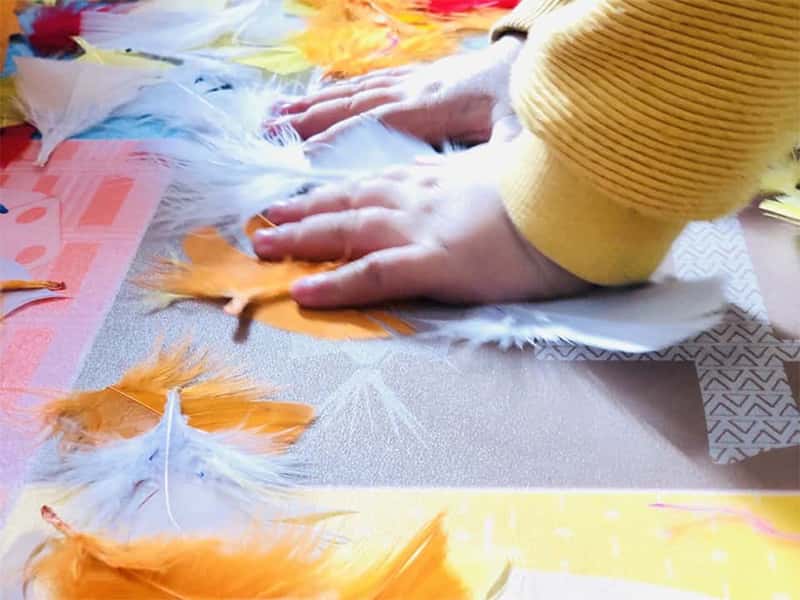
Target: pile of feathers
{"type": "Point", "coordinates": [179, 478]}
{"type": "Point", "coordinates": [177, 481]}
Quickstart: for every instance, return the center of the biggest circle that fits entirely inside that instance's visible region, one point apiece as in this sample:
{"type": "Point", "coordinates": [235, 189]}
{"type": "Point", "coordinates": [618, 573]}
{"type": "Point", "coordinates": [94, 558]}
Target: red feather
{"type": "Point", "coordinates": [53, 29]}
{"type": "Point", "coordinates": [446, 7]}
{"type": "Point", "coordinates": [14, 141]}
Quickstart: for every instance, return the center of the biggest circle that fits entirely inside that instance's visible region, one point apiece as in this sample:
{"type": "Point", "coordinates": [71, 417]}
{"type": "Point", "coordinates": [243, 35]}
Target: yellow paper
{"type": "Point", "coordinates": [282, 60]}
{"type": "Point", "coordinates": [10, 115]}
{"type": "Point", "coordinates": [603, 534]}
{"type": "Point", "coordinates": [115, 58]}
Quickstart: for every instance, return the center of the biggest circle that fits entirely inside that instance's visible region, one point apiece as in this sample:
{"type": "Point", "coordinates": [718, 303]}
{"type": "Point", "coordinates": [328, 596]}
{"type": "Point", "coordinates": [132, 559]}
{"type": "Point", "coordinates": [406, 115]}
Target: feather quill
{"type": "Point", "coordinates": [173, 471]}
{"type": "Point", "coordinates": [292, 564]}
{"type": "Point", "coordinates": [640, 320]}
{"type": "Point", "coordinates": [149, 28]}
{"type": "Point", "coordinates": [64, 98]}
{"type": "Point", "coordinates": [213, 399]}
{"type": "Point", "coordinates": [17, 289]}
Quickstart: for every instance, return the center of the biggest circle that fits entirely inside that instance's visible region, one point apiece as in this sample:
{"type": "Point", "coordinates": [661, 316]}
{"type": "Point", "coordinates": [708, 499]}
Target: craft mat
{"type": "Point", "coordinates": [559, 417]}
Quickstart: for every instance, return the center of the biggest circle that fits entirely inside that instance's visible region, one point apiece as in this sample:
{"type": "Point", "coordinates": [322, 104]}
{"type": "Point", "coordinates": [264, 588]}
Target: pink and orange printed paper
{"type": "Point", "coordinates": [80, 221]}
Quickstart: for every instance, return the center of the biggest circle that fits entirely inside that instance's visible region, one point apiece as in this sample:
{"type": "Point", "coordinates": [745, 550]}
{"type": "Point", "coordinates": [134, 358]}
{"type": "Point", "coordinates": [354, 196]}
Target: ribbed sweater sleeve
{"type": "Point", "coordinates": [642, 115]}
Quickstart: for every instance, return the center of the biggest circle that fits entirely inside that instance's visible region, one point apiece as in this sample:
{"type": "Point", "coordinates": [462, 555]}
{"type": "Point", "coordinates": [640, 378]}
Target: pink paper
{"type": "Point", "coordinates": [80, 221]}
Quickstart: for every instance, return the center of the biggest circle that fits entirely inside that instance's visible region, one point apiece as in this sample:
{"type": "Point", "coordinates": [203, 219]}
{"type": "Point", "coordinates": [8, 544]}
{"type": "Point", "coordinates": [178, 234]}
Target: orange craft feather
{"type": "Point", "coordinates": [353, 37]}
{"type": "Point", "coordinates": [260, 290]}
{"type": "Point", "coordinates": [213, 399]}
{"type": "Point", "coordinates": [9, 25]}
{"type": "Point", "coordinates": [293, 565]}
{"type": "Point", "coordinates": [15, 285]}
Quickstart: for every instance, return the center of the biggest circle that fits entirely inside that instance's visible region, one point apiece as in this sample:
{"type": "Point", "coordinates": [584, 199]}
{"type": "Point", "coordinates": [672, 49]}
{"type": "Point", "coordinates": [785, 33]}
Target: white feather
{"type": "Point", "coordinates": [639, 320]}
{"type": "Point", "coordinates": [148, 29]}
{"type": "Point", "coordinates": [64, 98]}
{"type": "Point", "coordinates": [202, 95]}
{"type": "Point", "coordinates": [226, 173]}
{"type": "Point", "coordinates": [173, 474]}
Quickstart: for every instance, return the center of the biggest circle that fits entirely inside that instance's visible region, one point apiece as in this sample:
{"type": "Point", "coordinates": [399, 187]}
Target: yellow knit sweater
{"type": "Point", "coordinates": [643, 115]}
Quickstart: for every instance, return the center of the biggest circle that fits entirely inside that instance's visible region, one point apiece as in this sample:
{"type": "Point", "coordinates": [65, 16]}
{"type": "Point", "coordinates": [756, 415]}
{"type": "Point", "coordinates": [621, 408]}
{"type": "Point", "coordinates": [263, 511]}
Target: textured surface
{"type": "Point", "coordinates": [403, 412]}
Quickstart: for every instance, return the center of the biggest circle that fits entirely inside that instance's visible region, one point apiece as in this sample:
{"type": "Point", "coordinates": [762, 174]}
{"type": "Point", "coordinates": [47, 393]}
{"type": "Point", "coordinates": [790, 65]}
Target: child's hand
{"type": "Point", "coordinates": [432, 231]}
{"type": "Point", "coordinates": [458, 98]}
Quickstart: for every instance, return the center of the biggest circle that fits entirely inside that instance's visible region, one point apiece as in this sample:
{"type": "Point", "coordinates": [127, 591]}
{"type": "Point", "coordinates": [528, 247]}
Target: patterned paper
{"type": "Point", "coordinates": [80, 221]}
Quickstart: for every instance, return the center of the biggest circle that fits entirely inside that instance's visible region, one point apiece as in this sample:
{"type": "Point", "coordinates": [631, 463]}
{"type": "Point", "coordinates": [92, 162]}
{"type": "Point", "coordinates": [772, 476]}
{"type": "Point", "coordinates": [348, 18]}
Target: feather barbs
{"type": "Point", "coordinates": [214, 399]}
{"type": "Point", "coordinates": [64, 98]}
{"type": "Point", "coordinates": [260, 290]}
{"type": "Point", "coordinates": [353, 37]}
{"type": "Point", "coordinates": [292, 565]}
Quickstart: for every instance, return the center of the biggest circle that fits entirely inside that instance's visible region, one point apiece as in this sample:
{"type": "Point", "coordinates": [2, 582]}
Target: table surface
{"type": "Point", "coordinates": [718, 413]}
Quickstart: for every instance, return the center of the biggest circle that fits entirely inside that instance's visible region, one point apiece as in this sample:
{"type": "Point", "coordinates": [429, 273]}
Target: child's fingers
{"type": "Point", "coordinates": [334, 198]}
{"type": "Point", "coordinates": [320, 117]}
{"type": "Point", "coordinates": [391, 274]}
{"type": "Point", "coordinates": [348, 234]}
{"type": "Point", "coordinates": [408, 116]}
{"type": "Point", "coordinates": [393, 72]}
{"type": "Point", "coordinates": [335, 92]}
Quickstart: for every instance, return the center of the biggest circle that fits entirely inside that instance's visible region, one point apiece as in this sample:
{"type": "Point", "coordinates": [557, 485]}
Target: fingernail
{"type": "Point", "coordinates": [277, 206]}
{"type": "Point", "coordinates": [307, 288]}
{"type": "Point", "coordinates": [276, 212]}
{"type": "Point", "coordinates": [263, 239]}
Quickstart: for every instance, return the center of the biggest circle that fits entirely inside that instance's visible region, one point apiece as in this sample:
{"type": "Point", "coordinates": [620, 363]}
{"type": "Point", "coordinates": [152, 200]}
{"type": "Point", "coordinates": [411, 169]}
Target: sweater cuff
{"type": "Point", "coordinates": [576, 226]}
{"type": "Point", "coordinates": [522, 18]}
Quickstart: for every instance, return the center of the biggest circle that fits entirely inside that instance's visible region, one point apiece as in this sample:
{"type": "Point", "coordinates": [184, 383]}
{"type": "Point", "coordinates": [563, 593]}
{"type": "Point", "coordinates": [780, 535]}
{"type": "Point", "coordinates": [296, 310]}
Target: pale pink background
{"type": "Point", "coordinates": [99, 204]}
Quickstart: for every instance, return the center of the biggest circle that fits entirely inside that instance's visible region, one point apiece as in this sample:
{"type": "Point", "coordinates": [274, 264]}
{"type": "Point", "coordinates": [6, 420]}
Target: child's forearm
{"type": "Point", "coordinates": [643, 116]}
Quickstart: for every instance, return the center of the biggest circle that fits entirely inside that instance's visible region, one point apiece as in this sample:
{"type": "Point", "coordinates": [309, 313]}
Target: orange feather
{"type": "Point", "coordinates": [292, 565]}
{"type": "Point", "coordinates": [14, 285]}
{"type": "Point", "coordinates": [9, 25]}
{"type": "Point", "coordinates": [352, 37]}
{"type": "Point", "coordinates": [260, 290]}
{"type": "Point", "coordinates": [214, 399]}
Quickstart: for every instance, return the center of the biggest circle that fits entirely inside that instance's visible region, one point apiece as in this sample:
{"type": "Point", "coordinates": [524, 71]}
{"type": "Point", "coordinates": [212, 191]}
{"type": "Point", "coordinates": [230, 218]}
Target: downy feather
{"type": "Point", "coordinates": [213, 399]}
{"type": "Point", "coordinates": [172, 475]}
{"type": "Point", "coordinates": [64, 98]}
{"type": "Point", "coordinates": [202, 95]}
{"type": "Point", "coordinates": [147, 28]}
{"type": "Point", "coordinates": [644, 319]}
{"type": "Point", "coordinates": [222, 178]}
{"type": "Point", "coordinates": [289, 563]}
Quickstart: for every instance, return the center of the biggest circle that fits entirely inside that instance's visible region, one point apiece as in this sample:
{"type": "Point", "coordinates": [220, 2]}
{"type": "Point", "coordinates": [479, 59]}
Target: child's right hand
{"type": "Point", "coordinates": [463, 98]}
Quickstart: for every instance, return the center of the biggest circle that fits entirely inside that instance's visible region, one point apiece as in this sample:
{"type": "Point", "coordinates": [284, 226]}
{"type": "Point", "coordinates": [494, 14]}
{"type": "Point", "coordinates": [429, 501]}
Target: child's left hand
{"type": "Point", "coordinates": [438, 231]}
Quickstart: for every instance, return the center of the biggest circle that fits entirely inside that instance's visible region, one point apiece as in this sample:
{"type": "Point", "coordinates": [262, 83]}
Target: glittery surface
{"type": "Point", "coordinates": [412, 413]}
